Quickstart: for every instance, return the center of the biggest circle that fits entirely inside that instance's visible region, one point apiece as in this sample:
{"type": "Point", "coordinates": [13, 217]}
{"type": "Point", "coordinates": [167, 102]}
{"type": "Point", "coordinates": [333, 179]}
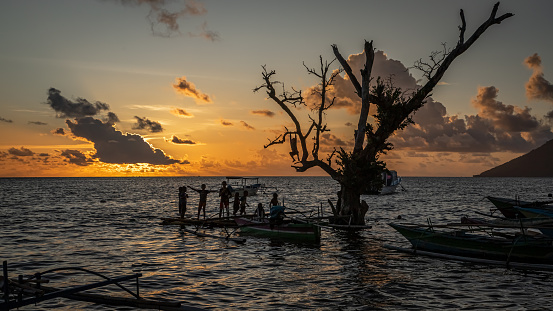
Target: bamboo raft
{"type": "Point", "coordinates": [24, 291]}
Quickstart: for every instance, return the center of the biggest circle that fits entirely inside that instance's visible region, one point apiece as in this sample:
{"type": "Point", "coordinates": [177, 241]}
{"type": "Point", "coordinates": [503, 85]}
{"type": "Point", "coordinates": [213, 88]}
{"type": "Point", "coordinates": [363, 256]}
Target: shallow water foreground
{"type": "Point", "coordinates": [112, 226]}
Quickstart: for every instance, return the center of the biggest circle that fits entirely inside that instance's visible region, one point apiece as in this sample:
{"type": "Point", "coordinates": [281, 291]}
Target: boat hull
{"type": "Point", "coordinates": [287, 230]}
{"type": "Point", "coordinates": [521, 249]}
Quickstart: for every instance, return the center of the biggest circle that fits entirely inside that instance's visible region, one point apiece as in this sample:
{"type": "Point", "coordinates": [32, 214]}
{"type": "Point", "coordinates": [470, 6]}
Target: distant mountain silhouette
{"type": "Point", "coordinates": [536, 163]}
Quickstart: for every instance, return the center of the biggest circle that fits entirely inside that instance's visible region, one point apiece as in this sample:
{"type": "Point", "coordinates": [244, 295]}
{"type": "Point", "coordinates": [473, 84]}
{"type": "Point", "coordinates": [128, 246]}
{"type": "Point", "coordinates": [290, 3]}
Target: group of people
{"type": "Point", "coordinates": [238, 206]}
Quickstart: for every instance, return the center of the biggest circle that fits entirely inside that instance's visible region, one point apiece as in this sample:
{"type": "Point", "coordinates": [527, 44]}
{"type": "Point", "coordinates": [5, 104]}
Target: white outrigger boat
{"type": "Point", "coordinates": [241, 184]}
{"type": "Point", "coordinates": [390, 182]}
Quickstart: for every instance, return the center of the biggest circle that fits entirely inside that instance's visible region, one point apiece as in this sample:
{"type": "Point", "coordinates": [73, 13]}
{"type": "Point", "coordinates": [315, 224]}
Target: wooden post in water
{"type": "Point", "coordinates": [5, 288]}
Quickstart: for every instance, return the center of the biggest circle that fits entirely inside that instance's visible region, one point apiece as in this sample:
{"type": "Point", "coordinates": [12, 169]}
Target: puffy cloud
{"type": "Point", "coordinates": [76, 157]}
{"type": "Point", "coordinates": [265, 113]}
{"type": "Point", "coordinates": [496, 127]}
{"type": "Point", "coordinates": [5, 120]}
{"type": "Point", "coordinates": [164, 19]}
{"type": "Point", "coordinates": [21, 152]}
{"type": "Point", "coordinates": [179, 141]}
{"type": "Point", "coordinates": [112, 118]}
{"type": "Point", "coordinates": [58, 131]}
{"type": "Point", "coordinates": [537, 86]}
{"type": "Point", "coordinates": [187, 88]}
{"type": "Point", "coordinates": [181, 113]}
{"type": "Point", "coordinates": [226, 123]}
{"type": "Point", "coordinates": [247, 126]}
{"type": "Point", "coordinates": [505, 117]}
{"type": "Point", "coordinates": [343, 90]}
{"type": "Point", "coordinates": [112, 146]}
{"type": "Point", "coordinates": [146, 124]}
{"type": "Point", "coordinates": [67, 108]}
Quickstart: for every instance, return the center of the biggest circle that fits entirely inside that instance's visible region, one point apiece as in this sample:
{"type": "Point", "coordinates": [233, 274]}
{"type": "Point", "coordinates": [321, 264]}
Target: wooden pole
{"type": "Point", "coordinates": [5, 288]}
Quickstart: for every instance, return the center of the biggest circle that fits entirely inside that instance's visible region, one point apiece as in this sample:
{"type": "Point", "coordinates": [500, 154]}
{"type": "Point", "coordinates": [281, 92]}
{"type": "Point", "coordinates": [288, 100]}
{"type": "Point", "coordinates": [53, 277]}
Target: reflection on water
{"type": "Point", "coordinates": [111, 225]}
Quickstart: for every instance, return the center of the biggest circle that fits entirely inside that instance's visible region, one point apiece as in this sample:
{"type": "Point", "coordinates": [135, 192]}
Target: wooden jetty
{"type": "Point", "coordinates": [23, 291]}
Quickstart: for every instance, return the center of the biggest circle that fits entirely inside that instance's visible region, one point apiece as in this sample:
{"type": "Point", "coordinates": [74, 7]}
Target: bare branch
{"type": "Point", "coordinates": [347, 69]}
{"type": "Point", "coordinates": [462, 28]}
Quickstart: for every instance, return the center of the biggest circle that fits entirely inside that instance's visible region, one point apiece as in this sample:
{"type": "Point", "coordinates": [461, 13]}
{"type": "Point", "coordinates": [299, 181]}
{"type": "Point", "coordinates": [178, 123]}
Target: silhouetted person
{"type": "Point", "coordinates": [183, 196]}
{"type": "Point", "coordinates": [203, 198]}
{"type": "Point", "coordinates": [274, 200]}
{"type": "Point", "coordinates": [236, 203]}
{"type": "Point", "coordinates": [243, 203]}
{"type": "Point", "coordinates": [260, 212]}
{"type": "Point", "coordinates": [224, 193]}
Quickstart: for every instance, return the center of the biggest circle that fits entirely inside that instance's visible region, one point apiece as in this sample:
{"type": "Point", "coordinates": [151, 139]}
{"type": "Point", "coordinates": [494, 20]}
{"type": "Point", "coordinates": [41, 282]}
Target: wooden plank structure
{"type": "Point", "coordinates": [21, 292]}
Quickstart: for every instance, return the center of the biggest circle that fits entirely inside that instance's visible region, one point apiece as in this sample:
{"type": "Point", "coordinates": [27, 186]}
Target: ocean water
{"type": "Point", "coordinates": [112, 226]}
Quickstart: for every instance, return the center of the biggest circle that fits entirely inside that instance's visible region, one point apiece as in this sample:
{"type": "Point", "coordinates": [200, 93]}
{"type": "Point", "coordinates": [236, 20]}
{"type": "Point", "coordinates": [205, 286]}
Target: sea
{"type": "Point", "coordinates": [112, 226]}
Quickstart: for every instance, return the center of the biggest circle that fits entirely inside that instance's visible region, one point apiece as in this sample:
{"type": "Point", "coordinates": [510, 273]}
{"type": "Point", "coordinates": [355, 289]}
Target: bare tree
{"type": "Point", "coordinates": [360, 167]}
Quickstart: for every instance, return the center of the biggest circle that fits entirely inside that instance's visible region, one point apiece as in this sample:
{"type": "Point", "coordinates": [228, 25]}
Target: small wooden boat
{"type": "Point", "coordinates": [506, 206]}
{"type": "Point", "coordinates": [390, 182]}
{"type": "Point", "coordinates": [285, 229]}
{"type": "Point", "coordinates": [222, 222]}
{"type": "Point", "coordinates": [502, 246]}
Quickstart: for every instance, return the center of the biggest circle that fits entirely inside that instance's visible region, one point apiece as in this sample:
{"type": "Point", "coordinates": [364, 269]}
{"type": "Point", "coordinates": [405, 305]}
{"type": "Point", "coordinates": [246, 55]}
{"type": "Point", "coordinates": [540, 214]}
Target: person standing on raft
{"type": "Point", "coordinates": [183, 196]}
{"type": "Point", "coordinates": [224, 193]}
{"type": "Point", "coordinates": [203, 198]}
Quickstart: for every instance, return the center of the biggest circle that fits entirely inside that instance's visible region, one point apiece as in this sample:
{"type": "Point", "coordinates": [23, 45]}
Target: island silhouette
{"type": "Point", "coordinates": [536, 163]}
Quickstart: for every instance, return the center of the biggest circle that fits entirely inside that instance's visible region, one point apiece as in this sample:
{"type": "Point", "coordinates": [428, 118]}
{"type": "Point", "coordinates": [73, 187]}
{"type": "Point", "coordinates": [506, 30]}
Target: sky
{"type": "Point", "coordinates": [165, 88]}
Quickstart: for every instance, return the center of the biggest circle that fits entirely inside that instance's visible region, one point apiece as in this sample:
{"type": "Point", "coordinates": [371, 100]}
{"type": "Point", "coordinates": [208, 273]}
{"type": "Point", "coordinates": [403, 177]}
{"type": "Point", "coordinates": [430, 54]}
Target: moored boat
{"type": "Point", "coordinates": [282, 229]}
{"type": "Point", "coordinates": [241, 184]}
{"type": "Point", "coordinates": [506, 206]}
{"type": "Point", "coordinates": [503, 247]}
{"type": "Point", "coordinates": [390, 182]}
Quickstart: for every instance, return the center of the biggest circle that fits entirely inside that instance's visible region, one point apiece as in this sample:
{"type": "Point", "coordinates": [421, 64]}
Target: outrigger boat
{"type": "Point", "coordinates": [521, 250]}
{"type": "Point", "coordinates": [279, 227]}
{"type": "Point", "coordinates": [241, 184]}
{"type": "Point", "coordinates": [506, 206]}
{"type": "Point", "coordinates": [285, 230]}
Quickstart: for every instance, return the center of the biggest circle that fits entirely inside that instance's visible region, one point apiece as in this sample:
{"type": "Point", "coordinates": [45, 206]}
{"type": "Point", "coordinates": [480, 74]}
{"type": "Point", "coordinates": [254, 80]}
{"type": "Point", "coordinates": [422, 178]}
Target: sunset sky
{"type": "Point", "coordinates": [165, 88]}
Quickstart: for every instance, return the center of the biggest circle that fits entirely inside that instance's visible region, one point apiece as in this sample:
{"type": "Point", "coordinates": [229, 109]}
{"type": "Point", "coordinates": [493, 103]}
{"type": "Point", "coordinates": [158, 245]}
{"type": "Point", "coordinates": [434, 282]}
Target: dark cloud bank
{"type": "Point", "coordinates": [496, 127]}
{"type": "Point", "coordinates": [112, 146]}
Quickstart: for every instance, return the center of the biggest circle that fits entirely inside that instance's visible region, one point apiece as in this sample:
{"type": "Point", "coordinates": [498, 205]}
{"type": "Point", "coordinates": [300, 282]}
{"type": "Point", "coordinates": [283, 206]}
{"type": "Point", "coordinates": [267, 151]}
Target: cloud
{"type": "Point", "coordinates": [206, 33]}
{"type": "Point", "coordinates": [247, 126]}
{"type": "Point", "coordinates": [112, 118]}
{"type": "Point", "coordinates": [179, 141]}
{"type": "Point", "coordinates": [537, 86]}
{"type": "Point", "coordinates": [146, 124]}
{"type": "Point", "coordinates": [112, 146]}
{"type": "Point", "coordinates": [226, 123]}
{"type": "Point", "coordinates": [496, 127]}
{"type": "Point", "coordinates": [344, 92]}
{"type": "Point", "coordinates": [21, 152]}
{"type": "Point", "coordinates": [330, 141]}
{"type": "Point", "coordinates": [265, 113]}
{"type": "Point", "coordinates": [164, 19]}
{"type": "Point", "coordinates": [181, 113]}
{"type": "Point", "coordinates": [59, 131]}
{"type": "Point", "coordinates": [37, 123]}
{"type": "Point", "coordinates": [504, 117]}
{"type": "Point", "coordinates": [189, 89]}
{"type": "Point", "coordinates": [76, 157]}
{"type": "Point", "coordinates": [5, 120]}
{"type": "Point", "coordinates": [79, 108]}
